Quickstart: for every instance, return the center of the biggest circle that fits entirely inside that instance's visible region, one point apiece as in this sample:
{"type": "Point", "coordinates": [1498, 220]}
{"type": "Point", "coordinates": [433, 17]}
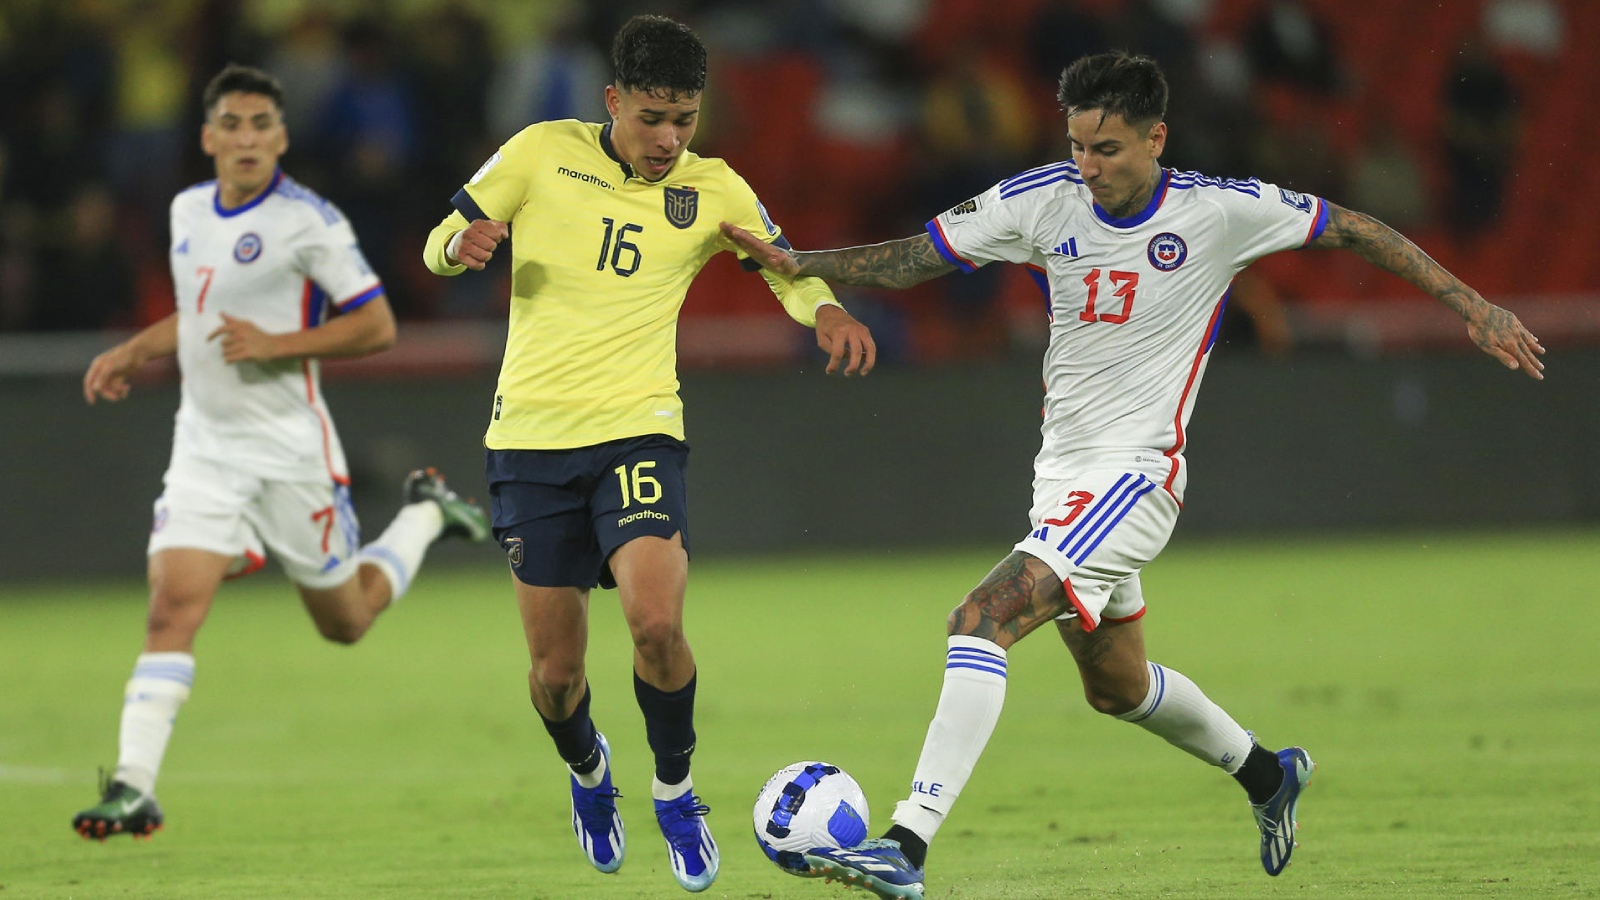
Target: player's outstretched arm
{"type": "Point", "coordinates": [1496, 331]}
{"type": "Point", "coordinates": [364, 330]}
{"type": "Point", "coordinates": [107, 377]}
{"type": "Point", "coordinates": [892, 264]}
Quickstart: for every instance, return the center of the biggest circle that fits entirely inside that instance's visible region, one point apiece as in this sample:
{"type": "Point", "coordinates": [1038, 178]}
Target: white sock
{"type": "Point", "coordinates": [398, 552]}
{"type": "Point", "coordinates": [969, 705]}
{"type": "Point", "coordinates": [592, 778]}
{"type": "Point", "coordinates": [150, 703]}
{"type": "Point", "coordinates": [1176, 709]}
{"type": "Point", "coordinates": [660, 790]}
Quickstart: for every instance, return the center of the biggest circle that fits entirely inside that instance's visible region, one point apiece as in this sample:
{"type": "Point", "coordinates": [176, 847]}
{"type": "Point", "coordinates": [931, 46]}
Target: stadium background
{"type": "Point", "coordinates": [1339, 399]}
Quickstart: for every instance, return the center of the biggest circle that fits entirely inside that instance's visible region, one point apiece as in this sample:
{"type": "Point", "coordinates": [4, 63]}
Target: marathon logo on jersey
{"type": "Point", "coordinates": [1167, 251]}
{"type": "Point", "coordinates": [585, 177]}
{"type": "Point", "coordinates": [248, 249]}
{"type": "Point", "coordinates": [1295, 199]}
{"type": "Point", "coordinates": [484, 169]}
{"type": "Point", "coordinates": [965, 209]}
{"type": "Point", "coordinates": [513, 547]}
{"type": "Point", "coordinates": [682, 205]}
{"type": "Point", "coordinates": [766, 219]}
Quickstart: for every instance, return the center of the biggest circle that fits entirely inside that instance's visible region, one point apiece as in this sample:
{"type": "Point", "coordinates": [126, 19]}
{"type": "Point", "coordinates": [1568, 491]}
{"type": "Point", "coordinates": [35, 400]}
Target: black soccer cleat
{"type": "Point", "coordinates": [462, 518]}
{"type": "Point", "coordinates": [122, 810]}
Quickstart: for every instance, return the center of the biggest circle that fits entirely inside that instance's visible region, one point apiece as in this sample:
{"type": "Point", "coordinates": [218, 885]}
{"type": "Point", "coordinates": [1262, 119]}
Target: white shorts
{"type": "Point", "coordinates": [310, 525]}
{"type": "Point", "coordinates": [1096, 531]}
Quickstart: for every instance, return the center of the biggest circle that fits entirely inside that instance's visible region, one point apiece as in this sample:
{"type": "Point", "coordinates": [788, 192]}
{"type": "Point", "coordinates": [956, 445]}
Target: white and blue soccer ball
{"type": "Point", "coordinates": [806, 805]}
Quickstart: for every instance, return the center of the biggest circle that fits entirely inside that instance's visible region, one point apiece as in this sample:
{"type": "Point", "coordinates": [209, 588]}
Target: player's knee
{"type": "Point", "coordinates": [965, 618]}
{"type": "Point", "coordinates": [173, 610]}
{"type": "Point", "coordinates": [657, 636]}
{"type": "Point", "coordinates": [341, 631]}
{"type": "Point", "coordinates": [559, 680]}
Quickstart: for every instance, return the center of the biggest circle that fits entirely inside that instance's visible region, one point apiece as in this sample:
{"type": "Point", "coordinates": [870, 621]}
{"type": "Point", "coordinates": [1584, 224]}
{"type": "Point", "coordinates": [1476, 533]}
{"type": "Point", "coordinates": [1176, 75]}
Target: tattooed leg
{"type": "Point", "coordinates": [1017, 596]}
{"type": "Point", "coordinates": [1111, 662]}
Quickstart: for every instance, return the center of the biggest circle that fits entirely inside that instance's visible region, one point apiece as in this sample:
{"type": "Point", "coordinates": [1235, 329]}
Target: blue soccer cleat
{"type": "Point", "coordinates": [1275, 817]}
{"type": "Point", "coordinates": [595, 819]}
{"type": "Point", "coordinates": [690, 849]}
{"type": "Point", "coordinates": [876, 865]}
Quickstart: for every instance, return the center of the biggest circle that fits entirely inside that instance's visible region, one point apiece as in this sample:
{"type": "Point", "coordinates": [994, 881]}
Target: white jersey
{"type": "Point", "coordinates": [1134, 303]}
{"type": "Point", "coordinates": [275, 261]}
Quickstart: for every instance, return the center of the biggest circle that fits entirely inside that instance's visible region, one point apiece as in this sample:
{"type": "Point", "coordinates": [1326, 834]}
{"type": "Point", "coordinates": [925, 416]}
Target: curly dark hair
{"type": "Point", "coordinates": [1117, 84]}
{"type": "Point", "coordinates": [659, 56]}
{"type": "Point", "coordinates": [235, 78]}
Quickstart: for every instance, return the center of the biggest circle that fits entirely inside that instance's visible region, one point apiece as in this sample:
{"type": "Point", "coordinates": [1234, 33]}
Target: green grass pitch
{"type": "Point", "coordinates": [1447, 686]}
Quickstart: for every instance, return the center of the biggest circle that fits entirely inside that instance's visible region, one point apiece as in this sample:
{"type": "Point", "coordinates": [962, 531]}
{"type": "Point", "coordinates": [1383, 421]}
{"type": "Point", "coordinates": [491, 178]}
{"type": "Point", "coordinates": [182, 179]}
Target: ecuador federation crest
{"type": "Point", "coordinates": [682, 205]}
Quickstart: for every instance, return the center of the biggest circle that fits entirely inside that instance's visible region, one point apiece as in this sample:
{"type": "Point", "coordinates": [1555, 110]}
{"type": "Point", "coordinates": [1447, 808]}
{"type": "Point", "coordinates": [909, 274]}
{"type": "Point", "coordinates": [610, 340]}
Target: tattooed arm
{"type": "Point", "coordinates": [893, 264]}
{"type": "Point", "coordinates": [1495, 330]}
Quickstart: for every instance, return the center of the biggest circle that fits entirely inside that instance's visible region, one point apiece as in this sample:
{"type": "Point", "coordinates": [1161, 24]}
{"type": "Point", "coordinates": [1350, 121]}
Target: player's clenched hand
{"type": "Point", "coordinates": [242, 340]}
{"type": "Point", "coordinates": [107, 377]}
{"type": "Point", "coordinates": [771, 257]}
{"type": "Point", "coordinates": [1502, 335]}
{"type": "Point", "coordinates": [474, 246]}
{"type": "Point", "coordinates": [845, 340]}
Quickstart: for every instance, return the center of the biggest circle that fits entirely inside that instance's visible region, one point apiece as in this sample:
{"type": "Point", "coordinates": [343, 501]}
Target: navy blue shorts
{"type": "Point", "coordinates": [560, 514]}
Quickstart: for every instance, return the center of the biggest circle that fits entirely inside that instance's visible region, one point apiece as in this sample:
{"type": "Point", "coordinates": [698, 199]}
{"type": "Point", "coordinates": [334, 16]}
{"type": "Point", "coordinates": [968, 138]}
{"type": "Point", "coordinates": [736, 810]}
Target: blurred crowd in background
{"type": "Point", "coordinates": [1459, 122]}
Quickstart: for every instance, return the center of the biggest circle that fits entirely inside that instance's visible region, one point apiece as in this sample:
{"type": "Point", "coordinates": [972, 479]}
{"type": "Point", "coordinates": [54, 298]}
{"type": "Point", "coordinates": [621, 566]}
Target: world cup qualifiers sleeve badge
{"type": "Point", "coordinates": [1295, 199]}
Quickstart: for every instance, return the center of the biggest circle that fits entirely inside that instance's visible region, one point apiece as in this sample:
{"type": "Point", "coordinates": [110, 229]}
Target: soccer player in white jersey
{"type": "Point", "coordinates": [257, 262]}
{"type": "Point", "coordinates": [1137, 260]}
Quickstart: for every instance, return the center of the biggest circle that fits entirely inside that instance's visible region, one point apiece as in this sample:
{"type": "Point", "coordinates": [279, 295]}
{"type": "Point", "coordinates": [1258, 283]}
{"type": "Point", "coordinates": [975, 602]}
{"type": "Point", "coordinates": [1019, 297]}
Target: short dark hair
{"type": "Point", "coordinates": [1115, 83]}
{"type": "Point", "coordinates": [237, 79]}
{"type": "Point", "coordinates": [656, 55]}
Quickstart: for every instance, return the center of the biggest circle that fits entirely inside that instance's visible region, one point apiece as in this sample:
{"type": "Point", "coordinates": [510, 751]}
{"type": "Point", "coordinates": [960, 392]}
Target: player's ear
{"type": "Point", "coordinates": [613, 101]}
{"type": "Point", "coordinates": [1158, 139]}
{"type": "Point", "coordinates": [207, 142]}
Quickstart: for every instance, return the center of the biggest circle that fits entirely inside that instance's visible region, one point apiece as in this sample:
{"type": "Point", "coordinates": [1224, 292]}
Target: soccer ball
{"type": "Point", "coordinates": [806, 805]}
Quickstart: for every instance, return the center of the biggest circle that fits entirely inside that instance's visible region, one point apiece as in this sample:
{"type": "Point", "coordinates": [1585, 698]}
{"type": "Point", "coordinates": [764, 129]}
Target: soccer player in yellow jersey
{"type": "Point", "coordinates": [586, 454]}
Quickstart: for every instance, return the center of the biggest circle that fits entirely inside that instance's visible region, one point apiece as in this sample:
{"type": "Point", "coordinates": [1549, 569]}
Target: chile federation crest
{"type": "Point", "coordinates": [1167, 251]}
{"type": "Point", "coordinates": [248, 247]}
{"type": "Point", "coordinates": [682, 205]}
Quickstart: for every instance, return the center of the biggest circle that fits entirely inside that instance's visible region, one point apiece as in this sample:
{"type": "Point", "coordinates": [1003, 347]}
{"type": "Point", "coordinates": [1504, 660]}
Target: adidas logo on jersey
{"type": "Point", "coordinates": [1069, 247]}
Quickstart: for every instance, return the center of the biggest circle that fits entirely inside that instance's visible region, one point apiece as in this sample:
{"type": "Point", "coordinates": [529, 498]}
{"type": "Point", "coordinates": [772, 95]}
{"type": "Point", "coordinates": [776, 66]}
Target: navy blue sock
{"type": "Point", "coordinates": [575, 737]}
{"type": "Point", "coordinates": [1261, 774]}
{"type": "Point", "coordinates": [669, 726]}
{"type": "Point", "coordinates": [915, 848]}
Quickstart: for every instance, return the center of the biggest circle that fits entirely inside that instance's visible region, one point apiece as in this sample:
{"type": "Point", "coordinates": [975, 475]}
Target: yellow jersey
{"type": "Point", "coordinates": [601, 260]}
